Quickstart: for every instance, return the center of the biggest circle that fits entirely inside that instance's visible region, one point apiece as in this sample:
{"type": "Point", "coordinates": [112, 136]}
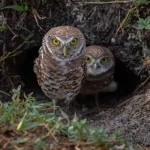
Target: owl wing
{"type": "Point", "coordinates": [37, 67]}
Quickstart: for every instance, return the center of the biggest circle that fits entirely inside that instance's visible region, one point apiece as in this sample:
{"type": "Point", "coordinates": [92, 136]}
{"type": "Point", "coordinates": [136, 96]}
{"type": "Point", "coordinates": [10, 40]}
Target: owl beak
{"type": "Point", "coordinates": [65, 51]}
{"type": "Point", "coordinates": [95, 66]}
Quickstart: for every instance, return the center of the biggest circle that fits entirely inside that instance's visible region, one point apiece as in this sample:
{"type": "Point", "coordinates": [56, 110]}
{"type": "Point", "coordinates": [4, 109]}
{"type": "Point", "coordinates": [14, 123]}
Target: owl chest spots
{"type": "Point", "coordinates": [62, 82]}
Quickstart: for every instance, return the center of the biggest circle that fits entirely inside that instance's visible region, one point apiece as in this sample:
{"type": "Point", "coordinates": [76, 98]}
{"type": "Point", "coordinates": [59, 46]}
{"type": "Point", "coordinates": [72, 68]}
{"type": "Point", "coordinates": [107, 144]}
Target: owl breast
{"type": "Point", "coordinates": [59, 80]}
{"type": "Point", "coordinates": [97, 86]}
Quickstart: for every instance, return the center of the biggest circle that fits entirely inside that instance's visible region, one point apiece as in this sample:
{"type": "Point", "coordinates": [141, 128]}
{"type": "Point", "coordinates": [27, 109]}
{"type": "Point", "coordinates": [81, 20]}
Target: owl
{"type": "Point", "coordinates": [61, 63]}
{"type": "Point", "coordinates": [100, 65]}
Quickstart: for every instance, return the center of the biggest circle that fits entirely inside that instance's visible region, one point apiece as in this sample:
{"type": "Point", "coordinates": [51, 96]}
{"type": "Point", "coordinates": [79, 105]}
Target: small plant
{"type": "Point", "coordinates": [142, 2]}
{"type": "Point", "coordinates": [144, 23]}
{"type": "Point", "coordinates": [44, 1]}
{"type": "Point", "coordinates": [23, 7]}
{"type": "Point", "coordinates": [137, 4]}
{"type": "Point", "coordinates": [79, 131]}
{"type": "Point", "coordinates": [39, 145]}
{"type": "Point", "coordinates": [27, 40]}
{"type": "Point", "coordinates": [2, 28]}
{"type": "Point", "coordinates": [148, 52]}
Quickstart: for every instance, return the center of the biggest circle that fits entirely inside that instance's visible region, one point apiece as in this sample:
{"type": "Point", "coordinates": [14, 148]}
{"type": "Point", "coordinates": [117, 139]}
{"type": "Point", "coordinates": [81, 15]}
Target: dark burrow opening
{"type": "Point", "coordinates": [126, 79]}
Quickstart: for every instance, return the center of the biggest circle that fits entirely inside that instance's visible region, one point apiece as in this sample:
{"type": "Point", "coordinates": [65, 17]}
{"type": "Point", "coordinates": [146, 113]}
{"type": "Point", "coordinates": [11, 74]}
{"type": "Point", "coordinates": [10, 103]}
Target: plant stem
{"type": "Point", "coordinates": [110, 2]}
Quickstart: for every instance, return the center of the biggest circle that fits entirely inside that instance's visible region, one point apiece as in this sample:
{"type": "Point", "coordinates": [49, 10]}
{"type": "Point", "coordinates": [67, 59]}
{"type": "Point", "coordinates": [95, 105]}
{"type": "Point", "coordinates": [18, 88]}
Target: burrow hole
{"type": "Point", "coordinates": [126, 79]}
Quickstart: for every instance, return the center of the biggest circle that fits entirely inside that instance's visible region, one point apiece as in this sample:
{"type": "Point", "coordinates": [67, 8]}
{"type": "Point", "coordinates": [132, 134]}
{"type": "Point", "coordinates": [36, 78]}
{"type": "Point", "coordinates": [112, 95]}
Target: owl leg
{"type": "Point", "coordinates": [54, 103]}
{"type": "Point", "coordinates": [70, 105]}
{"type": "Point", "coordinates": [97, 101]}
{"type": "Point", "coordinates": [67, 103]}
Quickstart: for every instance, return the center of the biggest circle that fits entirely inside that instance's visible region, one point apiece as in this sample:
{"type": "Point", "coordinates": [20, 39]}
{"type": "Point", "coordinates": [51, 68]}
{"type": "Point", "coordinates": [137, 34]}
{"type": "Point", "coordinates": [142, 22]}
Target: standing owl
{"type": "Point", "coordinates": [100, 65]}
{"type": "Point", "coordinates": [61, 62]}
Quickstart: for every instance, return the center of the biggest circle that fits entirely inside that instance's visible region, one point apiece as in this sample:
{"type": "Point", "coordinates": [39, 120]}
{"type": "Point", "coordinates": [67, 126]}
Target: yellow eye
{"type": "Point", "coordinates": [104, 60]}
{"type": "Point", "coordinates": [74, 41]}
{"type": "Point", "coordinates": [55, 41]}
{"type": "Point", "coordinates": [88, 59]}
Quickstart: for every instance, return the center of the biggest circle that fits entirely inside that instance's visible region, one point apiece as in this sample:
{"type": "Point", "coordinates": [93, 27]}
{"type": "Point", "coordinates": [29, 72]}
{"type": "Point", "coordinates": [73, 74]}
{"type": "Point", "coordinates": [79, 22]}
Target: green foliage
{"type": "Point", "coordinates": [148, 52]}
{"type": "Point", "coordinates": [79, 131]}
{"type": "Point", "coordinates": [144, 23]}
{"type": "Point", "coordinates": [44, 1]}
{"type": "Point", "coordinates": [142, 2]}
{"type": "Point", "coordinates": [21, 8]}
{"type": "Point", "coordinates": [39, 145]}
{"type": "Point", "coordinates": [2, 28]}
{"type": "Point", "coordinates": [26, 115]}
{"type": "Point", "coordinates": [20, 140]}
{"type": "Point", "coordinates": [27, 40]}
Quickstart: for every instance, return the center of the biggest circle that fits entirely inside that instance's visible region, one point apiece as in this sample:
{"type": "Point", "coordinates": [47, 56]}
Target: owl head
{"type": "Point", "coordinates": [64, 42]}
{"type": "Point", "coordinates": [99, 61]}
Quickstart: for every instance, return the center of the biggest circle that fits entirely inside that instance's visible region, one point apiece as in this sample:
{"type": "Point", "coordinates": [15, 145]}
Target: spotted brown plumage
{"type": "Point", "coordinates": [100, 65]}
{"type": "Point", "coordinates": [61, 62]}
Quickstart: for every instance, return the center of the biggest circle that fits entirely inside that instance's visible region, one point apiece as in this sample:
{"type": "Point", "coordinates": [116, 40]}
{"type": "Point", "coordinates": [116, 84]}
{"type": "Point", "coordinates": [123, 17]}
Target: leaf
{"type": "Point", "coordinates": [20, 140]}
{"type": "Point", "coordinates": [22, 36]}
{"type": "Point", "coordinates": [31, 125]}
{"type": "Point", "coordinates": [140, 27]}
{"type": "Point", "coordinates": [2, 28]}
{"type": "Point", "coordinates": [4, 93]}
{"type": "Point", "coordinates": [148, 52]}
{"type": "Point", "coordinates": [147, 21]}
{"type": "Point", "coordinates": [141, 20]}
{"type": "Point", "coordinates": [21, 123]}
{"type": "Point", "coordinates": [142, 2]}
{"type": "Point", "coordinates": [17, 7]}
{"type": "Point", "coordinates": [147, 27]}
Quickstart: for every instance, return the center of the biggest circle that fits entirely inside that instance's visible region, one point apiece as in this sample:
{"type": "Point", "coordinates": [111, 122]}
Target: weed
{"type": "Point", "coordinates": [21, 8]}
{"type": "Point", "coordinates": [25, 115]}
{"type": "Point", "coordinates": [39, 145]}
{"type": "Point", "coordinates": [26, 40]}
{"type": "Point", "coordinates": [142, 2]}
{"type": "Point", "coordinates": [2, 28]}
{"type": "Point", "coordinates": [137, 4]}
{"type": "Point", "coordinates": [144, 23]}
{"type": "Point", "coordinates": [79, 131]}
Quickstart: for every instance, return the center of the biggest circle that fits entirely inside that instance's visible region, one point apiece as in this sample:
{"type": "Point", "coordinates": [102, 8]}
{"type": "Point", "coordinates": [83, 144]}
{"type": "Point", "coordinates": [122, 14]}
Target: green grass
{"type": "Point", "coordinates": [25, 115]}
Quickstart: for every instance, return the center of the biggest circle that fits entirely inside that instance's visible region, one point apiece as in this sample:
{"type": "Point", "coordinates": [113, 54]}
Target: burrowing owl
{"type": "Point", "coordinates": [100, 65]}
{"type": "Point", "coordinates": [61, 63]}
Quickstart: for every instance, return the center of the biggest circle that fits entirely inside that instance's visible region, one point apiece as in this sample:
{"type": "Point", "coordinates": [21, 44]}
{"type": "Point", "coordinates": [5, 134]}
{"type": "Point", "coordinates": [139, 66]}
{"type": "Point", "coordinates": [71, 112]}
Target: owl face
{"type": "Point", "coordinates": [99, 60]}
{"type": "Point", "coordinates": [65, 43]}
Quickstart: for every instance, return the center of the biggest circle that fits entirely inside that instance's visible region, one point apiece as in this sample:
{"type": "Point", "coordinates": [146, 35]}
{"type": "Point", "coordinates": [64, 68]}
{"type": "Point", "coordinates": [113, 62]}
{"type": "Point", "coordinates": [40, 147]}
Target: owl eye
{"type": "Point", "coordinates": [55, 41]}
{"type": "Point", "coordinates": [74, 41]}
{"type": "Point", "coordinates": [104, 60]}
{"type": "Point", "coordinates": [88, 59]}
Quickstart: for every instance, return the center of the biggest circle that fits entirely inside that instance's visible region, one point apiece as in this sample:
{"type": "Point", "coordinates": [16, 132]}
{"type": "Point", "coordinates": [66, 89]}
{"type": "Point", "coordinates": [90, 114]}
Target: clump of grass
{"type": "Point", "coordinates": [35, 125]}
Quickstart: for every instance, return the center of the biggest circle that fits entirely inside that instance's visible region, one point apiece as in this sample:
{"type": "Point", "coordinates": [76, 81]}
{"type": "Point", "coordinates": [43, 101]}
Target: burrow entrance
{"type": "Point", "coordinates": [126, 79]}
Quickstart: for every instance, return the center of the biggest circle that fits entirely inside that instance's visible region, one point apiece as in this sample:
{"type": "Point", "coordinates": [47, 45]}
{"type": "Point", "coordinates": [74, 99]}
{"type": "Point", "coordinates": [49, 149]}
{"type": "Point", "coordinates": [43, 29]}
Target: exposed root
{"type": "Point", "coordinates": [36, 17]}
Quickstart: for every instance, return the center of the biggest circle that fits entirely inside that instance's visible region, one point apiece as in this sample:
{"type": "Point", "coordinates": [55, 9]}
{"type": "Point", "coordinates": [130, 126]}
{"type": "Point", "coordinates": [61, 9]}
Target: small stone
{"type": "Point", "coordinates": [113, 40]}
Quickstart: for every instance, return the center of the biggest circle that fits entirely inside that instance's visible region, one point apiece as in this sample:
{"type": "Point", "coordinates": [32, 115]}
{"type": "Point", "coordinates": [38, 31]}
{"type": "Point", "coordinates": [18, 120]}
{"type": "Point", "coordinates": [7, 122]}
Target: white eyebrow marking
{"type": "Point", "coordinates": [70, 39]}
{"type": "Point", "coordinates": [65, 41]}
{"type": "Point", "coordinates": [61, 40]}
